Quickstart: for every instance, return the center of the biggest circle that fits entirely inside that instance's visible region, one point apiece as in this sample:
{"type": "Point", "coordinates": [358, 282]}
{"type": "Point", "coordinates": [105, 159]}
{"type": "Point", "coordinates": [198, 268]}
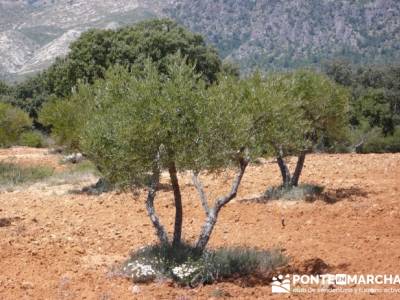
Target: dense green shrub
{"type": "Point", "coordinates": [382, 144]}
{"type": "Point", "coordinates": [13, 122]}
{"type": "Point", "coordinates": [67, 116]}
{"type": "Point", "coordinates": [32, 139]}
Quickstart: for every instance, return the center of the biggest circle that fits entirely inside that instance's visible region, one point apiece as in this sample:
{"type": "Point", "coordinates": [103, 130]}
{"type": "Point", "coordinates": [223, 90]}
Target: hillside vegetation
{"type": "Point", "coordinates": [373, 118]}
{"type": "Point", "coordinates": [284, 34]}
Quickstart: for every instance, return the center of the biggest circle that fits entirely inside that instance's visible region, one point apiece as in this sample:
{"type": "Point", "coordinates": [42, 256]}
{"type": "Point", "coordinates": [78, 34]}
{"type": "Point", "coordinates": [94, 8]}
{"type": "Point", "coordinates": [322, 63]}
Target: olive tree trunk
{"type": "Point", "coordinates": [155, 179]}
{"type": "Point", "coordinates": [289, 180]}
{"type": "Point", "coordinates": [178, 204]}
{"type": "Point", "coordinates": [286, 177]}
{"type": "Point", "coordinates": [299, 168]}
{"type": "Point", "coordinates": [212, 213]}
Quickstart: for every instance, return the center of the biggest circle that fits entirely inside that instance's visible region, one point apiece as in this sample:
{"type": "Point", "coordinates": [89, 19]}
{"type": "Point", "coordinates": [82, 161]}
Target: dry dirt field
{"type": "Point", "coordinates": [58, 245]}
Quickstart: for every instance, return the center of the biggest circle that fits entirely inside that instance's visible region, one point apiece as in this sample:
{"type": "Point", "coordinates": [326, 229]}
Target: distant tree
{"type": "Point", "coordinates": [66, 117]}
{"type": "Point", "coordinates": [30, 95]}
{"type": "Point", "coordinates": [97, 50]}
{"type": "Point", "coordinates": [4, 88]}
{"type": "Point", "coordinates": [374, 105]}
{"type": "Point", "coordinates": [295, 113]}
{"type": "Point", "coordinates": [340, 71]}
{"type": "Point", "coordinates": [5, 92]}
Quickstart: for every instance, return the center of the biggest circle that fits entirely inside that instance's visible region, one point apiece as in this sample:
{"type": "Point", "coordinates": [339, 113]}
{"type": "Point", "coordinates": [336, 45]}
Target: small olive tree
{"type": "Point", "coordinates": [294, 113]}
{"type": "Point", "coordinates": [146, 121]}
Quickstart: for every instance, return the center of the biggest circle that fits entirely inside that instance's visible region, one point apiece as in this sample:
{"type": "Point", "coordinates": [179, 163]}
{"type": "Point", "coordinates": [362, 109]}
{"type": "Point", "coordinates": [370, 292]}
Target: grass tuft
{"type": "Point", "coordinates": [12, 174]}
{"type": "Point", "coordinates": [302, 192]}
{"type": "Point", "coordinates": [219, 293]}
{"type": "Point", "coordinates": [32, 139]}
{"type": "Point", "coordinates": [85, 166]}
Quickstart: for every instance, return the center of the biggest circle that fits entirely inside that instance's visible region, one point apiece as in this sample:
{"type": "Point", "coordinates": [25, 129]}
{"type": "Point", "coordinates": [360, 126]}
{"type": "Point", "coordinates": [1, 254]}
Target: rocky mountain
{"type": "Point", "coordinates": [34, 32]}
{"type": "Point", "coordinates": [262, 33]}
{"type": "Point", "coordinates": [282, 34]}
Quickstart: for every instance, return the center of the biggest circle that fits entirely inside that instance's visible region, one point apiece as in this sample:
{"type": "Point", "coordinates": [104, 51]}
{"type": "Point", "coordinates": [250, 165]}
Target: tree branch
{"type": "Point", "coordinates": [212, 216]}
{"type": "Point", "coordinates": [200, 189]}
{"type": "Point", "coordinates": [221, 201]}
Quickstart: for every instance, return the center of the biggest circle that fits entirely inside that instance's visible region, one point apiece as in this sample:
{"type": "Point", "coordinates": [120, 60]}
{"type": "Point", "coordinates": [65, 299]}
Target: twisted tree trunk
{"type": "Point", "coordinates": [178, 204]}
{"type": "Point", "coordinates": [212, 214]}
{"type": "Point", "coordinates": [155, 179]}
{"type": "Point", "coordinates": [202, 194]}
{"type": "Point", "coordinates": [286, 177]}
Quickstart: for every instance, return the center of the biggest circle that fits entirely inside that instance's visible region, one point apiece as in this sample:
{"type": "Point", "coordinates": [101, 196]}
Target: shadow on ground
{"type": "Point", "coordinates": [333, 196]}
{"type": "Point", "coordinates": [330, 196]}
{"type": "Point", "coordinates": [5, 222]}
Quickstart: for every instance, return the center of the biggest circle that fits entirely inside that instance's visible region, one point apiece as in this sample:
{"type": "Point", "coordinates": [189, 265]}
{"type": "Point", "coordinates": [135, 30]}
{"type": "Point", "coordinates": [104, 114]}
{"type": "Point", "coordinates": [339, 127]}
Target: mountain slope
{"type": "Point", "coordinates": [280, 33]}
{"type": "Point", "coordinates": [15, 49]}
{"type": "Point", "coordinates": [254, 33]}
{"type": "Point", "coordinates": [33, 33]}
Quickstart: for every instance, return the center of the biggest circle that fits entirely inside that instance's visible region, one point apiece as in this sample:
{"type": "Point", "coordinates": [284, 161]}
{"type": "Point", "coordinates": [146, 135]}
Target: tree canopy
{"type": "Point", "coordinates": [97, 50]}
{"type": "Point", "coordinates": [295, 112]}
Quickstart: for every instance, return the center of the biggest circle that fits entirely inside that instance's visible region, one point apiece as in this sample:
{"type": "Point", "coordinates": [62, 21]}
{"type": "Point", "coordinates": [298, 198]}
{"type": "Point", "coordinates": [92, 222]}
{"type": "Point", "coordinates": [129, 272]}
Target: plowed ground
{"type": "Point", "coordinates": [64, 246]}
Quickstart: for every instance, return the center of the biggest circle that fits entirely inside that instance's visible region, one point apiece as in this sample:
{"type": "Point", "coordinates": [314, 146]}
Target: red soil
{"type": "Point", "coordinates": [63, 247]}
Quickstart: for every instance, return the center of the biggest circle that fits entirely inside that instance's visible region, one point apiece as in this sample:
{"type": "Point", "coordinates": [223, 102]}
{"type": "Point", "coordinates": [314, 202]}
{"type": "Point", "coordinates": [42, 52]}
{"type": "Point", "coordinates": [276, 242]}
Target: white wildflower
{"type": "Point", "coordinates": [141, 272]}
{"type": "Point", "coordinates": [183, 271]}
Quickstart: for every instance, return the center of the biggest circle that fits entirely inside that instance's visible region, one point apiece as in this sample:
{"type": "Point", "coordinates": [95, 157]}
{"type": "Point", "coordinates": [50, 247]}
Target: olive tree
{"type": "Point", "coordinates": [295, 113]}
{"type": "Point", "coordinates": [148, 121]}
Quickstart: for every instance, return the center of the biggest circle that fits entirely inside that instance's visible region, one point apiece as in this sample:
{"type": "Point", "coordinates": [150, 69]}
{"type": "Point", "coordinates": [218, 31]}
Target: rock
{"type": "Point", "coordinates": [80, 250]}
{"type": "Point", "coordinates": [26, 285]}
{"type": "Point", "coordinates": [58, 150]}
{"type": "Point", "coordinates": [73, 158]}
{"type": "Point", "coordinates": [135, 289]}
